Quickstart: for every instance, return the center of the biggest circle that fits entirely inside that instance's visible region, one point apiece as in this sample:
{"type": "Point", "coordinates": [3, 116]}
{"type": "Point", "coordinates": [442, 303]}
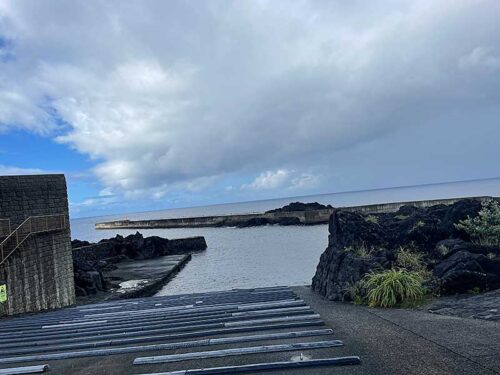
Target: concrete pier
{"type": "Point", "coordinates": [310, 217]}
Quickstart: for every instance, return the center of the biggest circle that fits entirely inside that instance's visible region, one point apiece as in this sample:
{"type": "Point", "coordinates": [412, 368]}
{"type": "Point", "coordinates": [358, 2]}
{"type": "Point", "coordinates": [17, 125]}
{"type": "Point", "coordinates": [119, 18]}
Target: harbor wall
{"type": "Point", "coordinates": [311, 217]}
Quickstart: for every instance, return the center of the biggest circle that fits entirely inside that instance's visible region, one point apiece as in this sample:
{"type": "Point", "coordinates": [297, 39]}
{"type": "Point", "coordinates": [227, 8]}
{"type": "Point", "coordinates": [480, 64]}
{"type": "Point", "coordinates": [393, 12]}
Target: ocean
{"type": "Point", "coordinates": [268, 255]}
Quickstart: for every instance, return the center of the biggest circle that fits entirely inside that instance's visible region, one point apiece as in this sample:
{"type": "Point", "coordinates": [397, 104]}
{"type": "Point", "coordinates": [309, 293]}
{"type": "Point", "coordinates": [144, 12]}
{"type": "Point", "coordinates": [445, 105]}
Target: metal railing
{"type": "Point", "coordinates": [32, 225]}
{"type": "Point", "coordinates": [4, 227]}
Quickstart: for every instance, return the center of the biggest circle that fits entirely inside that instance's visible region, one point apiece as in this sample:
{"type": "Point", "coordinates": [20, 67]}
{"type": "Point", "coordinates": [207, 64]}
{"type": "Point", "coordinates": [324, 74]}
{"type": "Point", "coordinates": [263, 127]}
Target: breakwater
{"type": "Point", "coordinates": [308, 217]}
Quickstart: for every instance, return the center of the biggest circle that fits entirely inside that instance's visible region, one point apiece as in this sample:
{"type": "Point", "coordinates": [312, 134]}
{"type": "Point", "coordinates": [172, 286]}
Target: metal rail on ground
{"type": "Point", "coordinates": [253, 330]}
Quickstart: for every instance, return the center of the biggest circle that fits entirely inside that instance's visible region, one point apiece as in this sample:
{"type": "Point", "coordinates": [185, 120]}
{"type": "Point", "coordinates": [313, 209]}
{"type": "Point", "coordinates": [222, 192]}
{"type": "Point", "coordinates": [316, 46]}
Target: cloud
{"type": "Point", "coordinates": [169, 96]}
{"type": "Point", "coordinates": [479, 57]}
{"type": "Point", "coordinates": [6, 170]}
{"type": "Point", "coordinates": [282, 178]}
{"type": "Point", "coordinates": [269, 180]}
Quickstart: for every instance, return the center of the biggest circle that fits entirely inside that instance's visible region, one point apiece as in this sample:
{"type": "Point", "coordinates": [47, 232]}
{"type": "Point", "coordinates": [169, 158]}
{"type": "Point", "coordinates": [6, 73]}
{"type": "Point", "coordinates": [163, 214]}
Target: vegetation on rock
{"type": "Point", "coordinates": [484, 229]}
{"type": "Point", "coordinates": [428, 250]}
{"type": "Point", "coordinates": [393, 287]}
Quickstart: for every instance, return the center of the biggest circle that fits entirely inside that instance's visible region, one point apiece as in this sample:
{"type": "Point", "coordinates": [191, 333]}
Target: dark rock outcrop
{"type": "Point", "coordinates": [255, 222]}
{"type": "Point", "coordinates": [458, 264]}
{"type": "Point", "coordinates": [299, 206]}
{"type": "Point", "coordinates": [90, 260]}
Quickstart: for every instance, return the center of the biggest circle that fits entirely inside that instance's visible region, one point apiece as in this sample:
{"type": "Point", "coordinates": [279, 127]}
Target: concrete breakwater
{"type": "Point", "coordinates": [126, 267]}
{"type": "Point", "coordinates": [305, 217]}
{"type": "Point", "coordinates": [283, 218]}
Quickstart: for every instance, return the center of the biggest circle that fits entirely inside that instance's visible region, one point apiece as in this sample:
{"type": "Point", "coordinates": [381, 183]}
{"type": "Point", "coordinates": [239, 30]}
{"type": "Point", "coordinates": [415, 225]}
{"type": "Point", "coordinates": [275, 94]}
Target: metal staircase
{"type": "Point", "coordinates": [32, 225]}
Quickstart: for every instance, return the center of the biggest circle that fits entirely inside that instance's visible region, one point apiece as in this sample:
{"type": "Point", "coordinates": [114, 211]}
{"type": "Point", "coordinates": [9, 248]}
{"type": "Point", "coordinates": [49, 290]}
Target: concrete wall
{"type": "Point", "coordinates": [305, 217]}
{"type": "Point", "coordinates": [39, 274]}
{"type": "Point", "coordinates": [393, 207]}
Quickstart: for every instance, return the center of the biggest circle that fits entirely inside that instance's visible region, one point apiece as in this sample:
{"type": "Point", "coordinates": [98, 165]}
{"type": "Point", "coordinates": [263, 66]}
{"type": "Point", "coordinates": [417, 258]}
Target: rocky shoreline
{"type": "Point", "coordinates": [102, 269]}
{"type": "Point", "coordinates": [360, 244]}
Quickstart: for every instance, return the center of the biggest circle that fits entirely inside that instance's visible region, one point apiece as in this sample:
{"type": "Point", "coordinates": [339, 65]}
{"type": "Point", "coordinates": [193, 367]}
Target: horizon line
{"type": "Point", "coordinates": [301, 196]}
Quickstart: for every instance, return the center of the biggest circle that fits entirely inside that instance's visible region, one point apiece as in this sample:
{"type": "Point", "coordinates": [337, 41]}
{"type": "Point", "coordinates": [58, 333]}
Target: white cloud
{"type": "Point", "coordinates": [6, 170]}
{"type": "Point", "coordinates": [479, 57]}
{"type": "Point", "coordinates": [269, 180]}
{"type": "Point", "coordinates": [305, 181]}
{"type": "Point", "coordinates": [172, 95]}
{"type": "Point", "coordinates": [282, 179]}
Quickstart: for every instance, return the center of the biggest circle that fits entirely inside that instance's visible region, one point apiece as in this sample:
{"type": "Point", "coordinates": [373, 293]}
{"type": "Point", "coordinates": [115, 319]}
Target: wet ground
{"type": "Point", "coordinates": [286, 330]}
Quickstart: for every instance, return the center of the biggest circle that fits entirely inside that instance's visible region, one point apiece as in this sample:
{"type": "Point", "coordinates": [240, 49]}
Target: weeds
{"type": "Point", "coordinates": [372, 219]}
{"type": "Point", "coordinates": [443, 250]}
{"type": "Point", "coordinates": [360, 250]}
{"type": "Point", "coordinates": [484, 229]}
{"type": "Point", "coordinates": [392, 287]}
{"type": "Point", "coordinates": [410, 260]}
{"type": "Point", "coordinates": [417, 225]}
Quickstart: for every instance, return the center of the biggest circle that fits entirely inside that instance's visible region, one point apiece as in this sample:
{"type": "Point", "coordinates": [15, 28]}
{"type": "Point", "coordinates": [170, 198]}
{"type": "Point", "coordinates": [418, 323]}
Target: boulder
{"type": "Point", "coordinates": [299, 206]}
{"type": "Point", "coordinates": [359, 243]}
{"type": "Point", "coordinates": [90, 260]}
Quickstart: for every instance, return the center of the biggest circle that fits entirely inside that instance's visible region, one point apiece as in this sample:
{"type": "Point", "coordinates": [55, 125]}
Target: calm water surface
{"type": "Point", "coordinates": [269, 255]}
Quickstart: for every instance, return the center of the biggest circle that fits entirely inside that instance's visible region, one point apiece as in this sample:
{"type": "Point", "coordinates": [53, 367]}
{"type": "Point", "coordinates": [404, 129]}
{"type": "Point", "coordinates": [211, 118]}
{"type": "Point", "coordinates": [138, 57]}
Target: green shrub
{"type": "Point", "coordinates": [484, 228]}
{"type": "Point", "coordinates": [443, 250]}
{"type": "Point", "coordinates": [360, 250]}
{"type": "Point", "coordinates": [372, 219]}
{"type": "Point", "coordinates": [417, 225]}
{"type": "Point", "coordinates": [354, 291]}
{"type": "Point", "coordinates": [401, 217]}
{"type": "Point", "coordinates": [410, 260]}
{"type": "Point", "coordinates": [392, 287]}
{"type": "Point", "coordinates": [475, 290]}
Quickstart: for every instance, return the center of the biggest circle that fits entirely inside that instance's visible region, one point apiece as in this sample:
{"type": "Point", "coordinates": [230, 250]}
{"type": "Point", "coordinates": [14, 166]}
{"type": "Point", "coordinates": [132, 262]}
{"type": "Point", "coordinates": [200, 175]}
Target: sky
{"type": "Point", "coordinates": [160, 104]}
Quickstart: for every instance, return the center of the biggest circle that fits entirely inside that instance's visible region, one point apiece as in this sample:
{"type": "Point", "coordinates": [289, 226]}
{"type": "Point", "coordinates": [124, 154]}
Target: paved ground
{"type": "Point", "coordinates": [388, 341]}
{"type": "Point", "coordinates": [398, 341]}
{"type": "Point", "coordinates": [265, 325]}
{"type": "Point", "coordinates": [482, 306]}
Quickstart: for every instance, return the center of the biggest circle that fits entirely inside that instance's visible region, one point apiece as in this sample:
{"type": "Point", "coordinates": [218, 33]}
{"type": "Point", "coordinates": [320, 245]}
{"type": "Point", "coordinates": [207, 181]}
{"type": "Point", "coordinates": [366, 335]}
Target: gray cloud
{"type": "Point", "coordinates": [168, 95]}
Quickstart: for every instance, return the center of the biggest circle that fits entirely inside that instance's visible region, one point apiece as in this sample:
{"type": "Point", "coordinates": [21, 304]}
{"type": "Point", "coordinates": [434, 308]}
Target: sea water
{"type": "Point", "coordinates": [266, 255]}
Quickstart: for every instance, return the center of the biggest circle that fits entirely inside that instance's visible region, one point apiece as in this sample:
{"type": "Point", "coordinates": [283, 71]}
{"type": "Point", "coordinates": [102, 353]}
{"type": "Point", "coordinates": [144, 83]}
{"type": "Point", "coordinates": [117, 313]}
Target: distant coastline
{"type": "Point", "coordinates": [293, 214]}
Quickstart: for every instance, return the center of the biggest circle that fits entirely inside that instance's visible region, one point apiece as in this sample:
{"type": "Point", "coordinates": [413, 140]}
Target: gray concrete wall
{"type": "Point", "coordinates": [394, 206]}
{"type": "Point", "coordinates": [39, 274]}
{"type": "Point", "coordinates": [305, 217]}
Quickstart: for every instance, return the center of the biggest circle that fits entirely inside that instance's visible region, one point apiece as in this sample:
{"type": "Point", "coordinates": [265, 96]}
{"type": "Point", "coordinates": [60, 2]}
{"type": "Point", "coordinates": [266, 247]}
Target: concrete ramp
{"type": "Point", "coordinates": [237, 331]}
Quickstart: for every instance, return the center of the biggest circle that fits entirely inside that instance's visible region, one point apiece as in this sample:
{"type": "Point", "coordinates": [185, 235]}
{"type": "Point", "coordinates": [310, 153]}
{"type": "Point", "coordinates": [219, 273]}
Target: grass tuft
{"type": "Point", "coordinates": [392, 287]}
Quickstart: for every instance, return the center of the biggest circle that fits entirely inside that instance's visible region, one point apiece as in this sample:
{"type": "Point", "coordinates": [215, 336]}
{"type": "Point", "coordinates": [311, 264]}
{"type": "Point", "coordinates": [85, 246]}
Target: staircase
{"type": "Point", "coordinates": [32, 225]}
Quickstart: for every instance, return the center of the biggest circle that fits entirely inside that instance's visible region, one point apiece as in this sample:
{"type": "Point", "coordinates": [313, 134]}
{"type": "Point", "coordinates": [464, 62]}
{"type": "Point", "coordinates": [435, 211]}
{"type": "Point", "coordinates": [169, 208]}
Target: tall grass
{"type": "Point", "coordinates": [392, 287]}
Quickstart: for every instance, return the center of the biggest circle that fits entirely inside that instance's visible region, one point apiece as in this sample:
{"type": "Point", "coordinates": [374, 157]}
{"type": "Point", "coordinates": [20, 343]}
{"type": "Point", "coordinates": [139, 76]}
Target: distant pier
{"type": "Point", "coordinates": [309, 217]}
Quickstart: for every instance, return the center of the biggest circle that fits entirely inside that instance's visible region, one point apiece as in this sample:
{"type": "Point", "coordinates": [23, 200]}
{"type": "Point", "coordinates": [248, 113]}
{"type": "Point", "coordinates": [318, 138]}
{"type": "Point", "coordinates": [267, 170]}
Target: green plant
{"type": "Point", "coordinates": [410, 259]}
{"type": "Point", "coordinates": [491, 255]}
{"type": "Point", "coordinates": [401, 217]}
{"type": "Point", "coordinates": [417, 225]}
{"type": "Point", "coordinates": [475, 290]}
{"type": "Point", "coordinates": [443, 250]}
{"type": "Point", "coordinates": [392, 287]}
{"type": "Point", "coordinates": [354, 291]}
{"type": "Point", "coordinates": [484, 228]}
{"type": "Point", "coordinates": [360, 250]}
{"type": "Point", "coordinates": [372, 219]}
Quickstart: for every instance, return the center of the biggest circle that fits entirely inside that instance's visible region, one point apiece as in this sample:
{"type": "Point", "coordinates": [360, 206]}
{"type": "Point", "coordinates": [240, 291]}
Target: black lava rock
{"type": "Point", "coordinates": [460, 265]}
{"type": "Point", "coordinates": [90, 260]}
